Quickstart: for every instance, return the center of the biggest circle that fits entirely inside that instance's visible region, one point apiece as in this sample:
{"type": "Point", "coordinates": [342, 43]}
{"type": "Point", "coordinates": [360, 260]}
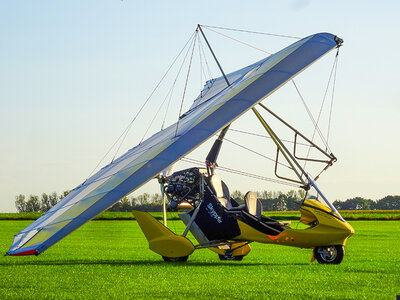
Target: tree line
{"type": "Point", "coordinates": [358, 203]}
{"type": "Point", "coordinates": [271, 201]}
{"type": "Point", "coordinates": [44, 202]}
{"type": "Point", "coordinates": [33, 203]}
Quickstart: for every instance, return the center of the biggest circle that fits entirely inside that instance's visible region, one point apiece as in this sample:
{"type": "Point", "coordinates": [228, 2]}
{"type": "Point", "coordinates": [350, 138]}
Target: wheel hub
{"type": "Point", "coordinates": [328, 254]}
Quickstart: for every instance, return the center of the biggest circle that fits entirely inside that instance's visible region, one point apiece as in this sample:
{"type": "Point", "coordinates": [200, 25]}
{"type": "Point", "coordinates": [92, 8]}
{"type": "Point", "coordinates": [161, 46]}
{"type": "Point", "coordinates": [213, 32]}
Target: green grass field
{"type": "Point", "coordinates": [279, 215]}
{"type": "Point", "coordinates": [105, 259]}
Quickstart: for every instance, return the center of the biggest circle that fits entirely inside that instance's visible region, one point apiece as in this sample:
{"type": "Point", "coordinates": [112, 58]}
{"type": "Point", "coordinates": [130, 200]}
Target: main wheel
{"type": "Point", "coordinates": [175, 259]}
{"type": "Point", "coordinates": [329, 254]}
{"type": "Point", "coordinates": [230, 257]}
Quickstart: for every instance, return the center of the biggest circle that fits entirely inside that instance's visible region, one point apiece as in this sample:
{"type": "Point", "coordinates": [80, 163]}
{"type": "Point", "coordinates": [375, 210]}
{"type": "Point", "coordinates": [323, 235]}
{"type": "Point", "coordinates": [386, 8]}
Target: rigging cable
{"type": "Point", "coordinates": [205, 59]}
{"type": "Point", "coordinates": [255, 152]}
{"type": "Point", "coordinates": [156, 114]}
{"type": "Point", "coordinates": [173, 85]}
{"type": "Point", "coordinates": [266, 136]}
{"type": "Point", "coordinates": [255, 32]}
{"type": "Point", "coordinates": [320, 111]}
{"type": "Point", "coordinates": [315, 123]}
{"type": "Point", "coordinates": [209, 83]}
{"type": "Point", "coordinates": [236, 40]}
{"type": "Point", "coordinates": [187, 78]}
{"type": "Point", "coordinates": [324, 98]}
{"type": "Point", "coordinates": [202, 72]}
{"type": "Point", "coordinates": [125, 132]}
{"type": "Point", "coordinates": [168, 103]}
{"type": "Point", "coordinates": [238, 172]}
{"type": "Point", "coordinates": [333, 93]}
{"type": "Point", "coordinates": [151, 94]}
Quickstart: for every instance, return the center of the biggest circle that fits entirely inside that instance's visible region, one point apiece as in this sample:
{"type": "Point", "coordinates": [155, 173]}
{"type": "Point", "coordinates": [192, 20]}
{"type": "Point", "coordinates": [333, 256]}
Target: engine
{"type": "Point", "coordinates": [183, 186]}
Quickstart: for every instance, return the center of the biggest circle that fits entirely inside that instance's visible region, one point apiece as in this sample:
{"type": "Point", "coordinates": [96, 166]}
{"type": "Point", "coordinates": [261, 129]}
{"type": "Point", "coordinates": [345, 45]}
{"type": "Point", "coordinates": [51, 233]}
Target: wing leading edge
{"type": "Point", "coordinates": [140, 164]}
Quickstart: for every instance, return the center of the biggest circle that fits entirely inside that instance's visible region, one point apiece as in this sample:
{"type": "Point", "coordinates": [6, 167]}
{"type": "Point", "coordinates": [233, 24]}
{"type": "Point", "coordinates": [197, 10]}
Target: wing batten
{"type": "Point", "coordinates": [164, 148]}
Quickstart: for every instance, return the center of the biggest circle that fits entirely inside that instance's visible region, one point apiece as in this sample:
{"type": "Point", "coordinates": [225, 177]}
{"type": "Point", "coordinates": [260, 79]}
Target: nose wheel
{"type": "Point", "coordinates": [329, 254]}
{"type": "Point", "coordinates": [230, 257]}
{"type": "Point", "coordinates": [175, 259]}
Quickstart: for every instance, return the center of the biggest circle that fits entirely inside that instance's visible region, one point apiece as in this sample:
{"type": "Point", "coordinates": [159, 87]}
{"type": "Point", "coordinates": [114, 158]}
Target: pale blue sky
{"type": "Point", "coordinates": [73, 74]}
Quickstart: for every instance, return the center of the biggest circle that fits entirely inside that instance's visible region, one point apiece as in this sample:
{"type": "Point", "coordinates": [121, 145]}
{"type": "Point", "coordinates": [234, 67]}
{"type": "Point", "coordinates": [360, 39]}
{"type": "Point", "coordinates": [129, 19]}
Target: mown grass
{"type": "Point", "coordinates": [111, 259]}
{"type": "Point", "coordinates": [278, 215]}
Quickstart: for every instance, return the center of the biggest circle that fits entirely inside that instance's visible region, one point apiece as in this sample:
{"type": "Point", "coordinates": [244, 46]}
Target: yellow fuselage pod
{"type": "Point", "coordinates": [325, 229]}
{"type": "Point", "coordinates": [162, 240]}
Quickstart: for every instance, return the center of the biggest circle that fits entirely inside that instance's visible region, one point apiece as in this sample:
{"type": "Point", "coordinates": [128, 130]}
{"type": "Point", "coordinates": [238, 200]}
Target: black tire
{"type": "Point", "coordinates": [230, 257]}
{"type": "Point", "coordinates": [329, 254]}
{"type": "Point", "coordinates": [175, 259]}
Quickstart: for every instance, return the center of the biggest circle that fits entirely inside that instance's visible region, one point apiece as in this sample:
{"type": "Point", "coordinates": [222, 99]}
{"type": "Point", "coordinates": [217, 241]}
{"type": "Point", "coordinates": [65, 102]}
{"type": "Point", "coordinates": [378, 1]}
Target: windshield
{"type": "Point", "coordinates": [316, 193]}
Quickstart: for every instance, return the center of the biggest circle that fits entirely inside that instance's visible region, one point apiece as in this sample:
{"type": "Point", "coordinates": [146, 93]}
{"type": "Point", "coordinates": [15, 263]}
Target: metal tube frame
{"type": "Point", "coordinates": [286, 153]}
{"type": "Point", "coordinates": [332, 158]}
{"type": "Point", "coordinates": [196, 211]}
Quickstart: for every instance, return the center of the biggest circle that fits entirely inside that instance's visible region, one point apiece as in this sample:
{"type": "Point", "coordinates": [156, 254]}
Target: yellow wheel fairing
{"type": "Point", "coordinates": [162, 240]}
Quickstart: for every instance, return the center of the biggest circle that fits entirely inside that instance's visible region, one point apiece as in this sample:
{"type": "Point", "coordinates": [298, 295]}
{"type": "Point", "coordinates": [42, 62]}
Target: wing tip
{"type": "Point", "coordinates": [22, 253]}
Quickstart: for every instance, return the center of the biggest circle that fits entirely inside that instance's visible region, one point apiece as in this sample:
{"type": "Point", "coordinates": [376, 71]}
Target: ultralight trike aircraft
{"type": "Point", "coordinates": [214, 218]}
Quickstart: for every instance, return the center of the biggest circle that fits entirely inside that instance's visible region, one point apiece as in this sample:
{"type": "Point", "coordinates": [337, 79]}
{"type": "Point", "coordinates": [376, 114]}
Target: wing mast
{"type": "Point", "coordinates": [212, 52]}
{"type": "Point", "coordinates": [211, 159]}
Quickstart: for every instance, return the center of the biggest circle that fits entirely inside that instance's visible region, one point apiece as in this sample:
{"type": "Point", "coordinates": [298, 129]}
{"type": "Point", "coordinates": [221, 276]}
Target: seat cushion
{"type": "Point", "coordinates": [253, 205]}
{"type": "Point", "coordinates": [221, 191]}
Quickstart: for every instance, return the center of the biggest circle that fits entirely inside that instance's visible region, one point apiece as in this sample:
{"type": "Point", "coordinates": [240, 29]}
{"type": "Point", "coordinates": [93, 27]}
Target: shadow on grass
{"type": "Point", "coordinates": [141, 263]}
